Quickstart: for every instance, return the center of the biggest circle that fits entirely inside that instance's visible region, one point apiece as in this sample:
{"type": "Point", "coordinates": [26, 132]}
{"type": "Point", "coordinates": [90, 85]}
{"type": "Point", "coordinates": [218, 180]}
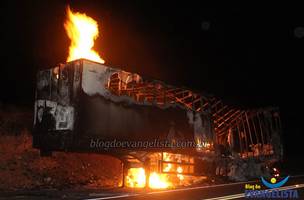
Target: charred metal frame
{"type": "Point", "coordinates": [157, 93]}
{"type": "Point", "coordinates": [249, 124]}
{"type": "Point", "coordinates": [249, 133]}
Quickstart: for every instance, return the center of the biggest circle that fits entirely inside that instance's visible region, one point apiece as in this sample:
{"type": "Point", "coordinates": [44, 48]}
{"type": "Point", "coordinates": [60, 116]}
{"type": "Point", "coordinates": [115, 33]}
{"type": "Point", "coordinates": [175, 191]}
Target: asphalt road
{"type": "Point", "coordinates": [215, 192]}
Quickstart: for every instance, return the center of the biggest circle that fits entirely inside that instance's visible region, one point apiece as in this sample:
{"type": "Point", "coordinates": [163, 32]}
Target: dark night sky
{"type": "Point", "coordinates": [249, 56]}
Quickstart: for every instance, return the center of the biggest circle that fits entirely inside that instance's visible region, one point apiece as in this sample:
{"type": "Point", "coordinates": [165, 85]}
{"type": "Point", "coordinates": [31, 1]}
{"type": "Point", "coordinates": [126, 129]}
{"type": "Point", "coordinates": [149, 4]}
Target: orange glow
{"type": "Point", "coordinates": [201, 145]}
{"type": "Point", "coordinates": [159, 181]}
{"type": "Point", "coordinates": [179, 170]}
{"type": "Point", "coordinates": [82, 31]}
{"type": "Point", "coordinates": [170, 177]}
{"type": "Point", "coordinates": [168, 166]}
{"type": "Point", "coordinates": [136, 178]}
{"type": "Point", "coordinates": [180, 176]}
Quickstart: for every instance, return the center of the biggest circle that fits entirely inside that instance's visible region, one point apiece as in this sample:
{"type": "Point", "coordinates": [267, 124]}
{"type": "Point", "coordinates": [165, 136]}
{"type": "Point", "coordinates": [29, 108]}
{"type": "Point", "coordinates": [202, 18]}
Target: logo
{"type": "Point", "coordinates": [273, 190]}
{"type": "Point", "coordinates": [274, 183]}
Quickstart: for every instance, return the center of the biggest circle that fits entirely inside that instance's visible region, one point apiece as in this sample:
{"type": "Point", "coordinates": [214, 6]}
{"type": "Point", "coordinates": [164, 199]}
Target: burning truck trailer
{"type": "Point", "coordinates": [165, 136]}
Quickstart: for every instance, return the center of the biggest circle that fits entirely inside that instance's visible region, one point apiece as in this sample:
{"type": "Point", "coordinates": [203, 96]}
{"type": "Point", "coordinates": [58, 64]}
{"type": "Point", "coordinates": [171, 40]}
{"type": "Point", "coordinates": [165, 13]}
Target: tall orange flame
{"type": "Point", "coordinates": [82, 31]}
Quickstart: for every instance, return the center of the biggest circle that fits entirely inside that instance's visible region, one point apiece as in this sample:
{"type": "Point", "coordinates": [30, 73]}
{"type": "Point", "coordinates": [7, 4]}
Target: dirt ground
{"type": "Point", "coordinates": [21, 166]}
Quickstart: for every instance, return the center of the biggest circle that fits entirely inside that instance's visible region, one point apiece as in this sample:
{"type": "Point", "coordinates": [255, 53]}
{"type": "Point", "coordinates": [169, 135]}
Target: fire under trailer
{"type": "Point", "coordinates": [84, 106]}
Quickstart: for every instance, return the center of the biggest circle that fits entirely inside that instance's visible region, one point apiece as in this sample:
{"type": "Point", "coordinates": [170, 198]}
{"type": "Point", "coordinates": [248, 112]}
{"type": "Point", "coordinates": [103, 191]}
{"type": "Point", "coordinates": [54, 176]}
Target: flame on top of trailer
{"type": "Point", "coordinates": [82, 31]}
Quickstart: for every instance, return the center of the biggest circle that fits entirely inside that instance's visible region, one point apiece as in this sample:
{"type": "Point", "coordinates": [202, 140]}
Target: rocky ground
{"type": "Point", "coordinates": [21, 166]}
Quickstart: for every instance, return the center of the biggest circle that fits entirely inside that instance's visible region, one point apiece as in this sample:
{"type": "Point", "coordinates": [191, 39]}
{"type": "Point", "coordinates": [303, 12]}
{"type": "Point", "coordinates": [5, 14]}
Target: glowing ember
{"type": "Point", "coordinates": [159, 181]}
{"type": "Point", "coordinates": [168, 167]}
{"type": "Point", "coordinates": [200, 145]}
{"type": "Point", "coordinates": [181, 177]}
{"type": "Point", "coordinates": [82, 31]}
{"type": "Point", "coordinates": [136, 178]}
{"type": "Point", "coordinates": [179, 170]}
{"type": "Point", "coordinates": [169, 175]}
